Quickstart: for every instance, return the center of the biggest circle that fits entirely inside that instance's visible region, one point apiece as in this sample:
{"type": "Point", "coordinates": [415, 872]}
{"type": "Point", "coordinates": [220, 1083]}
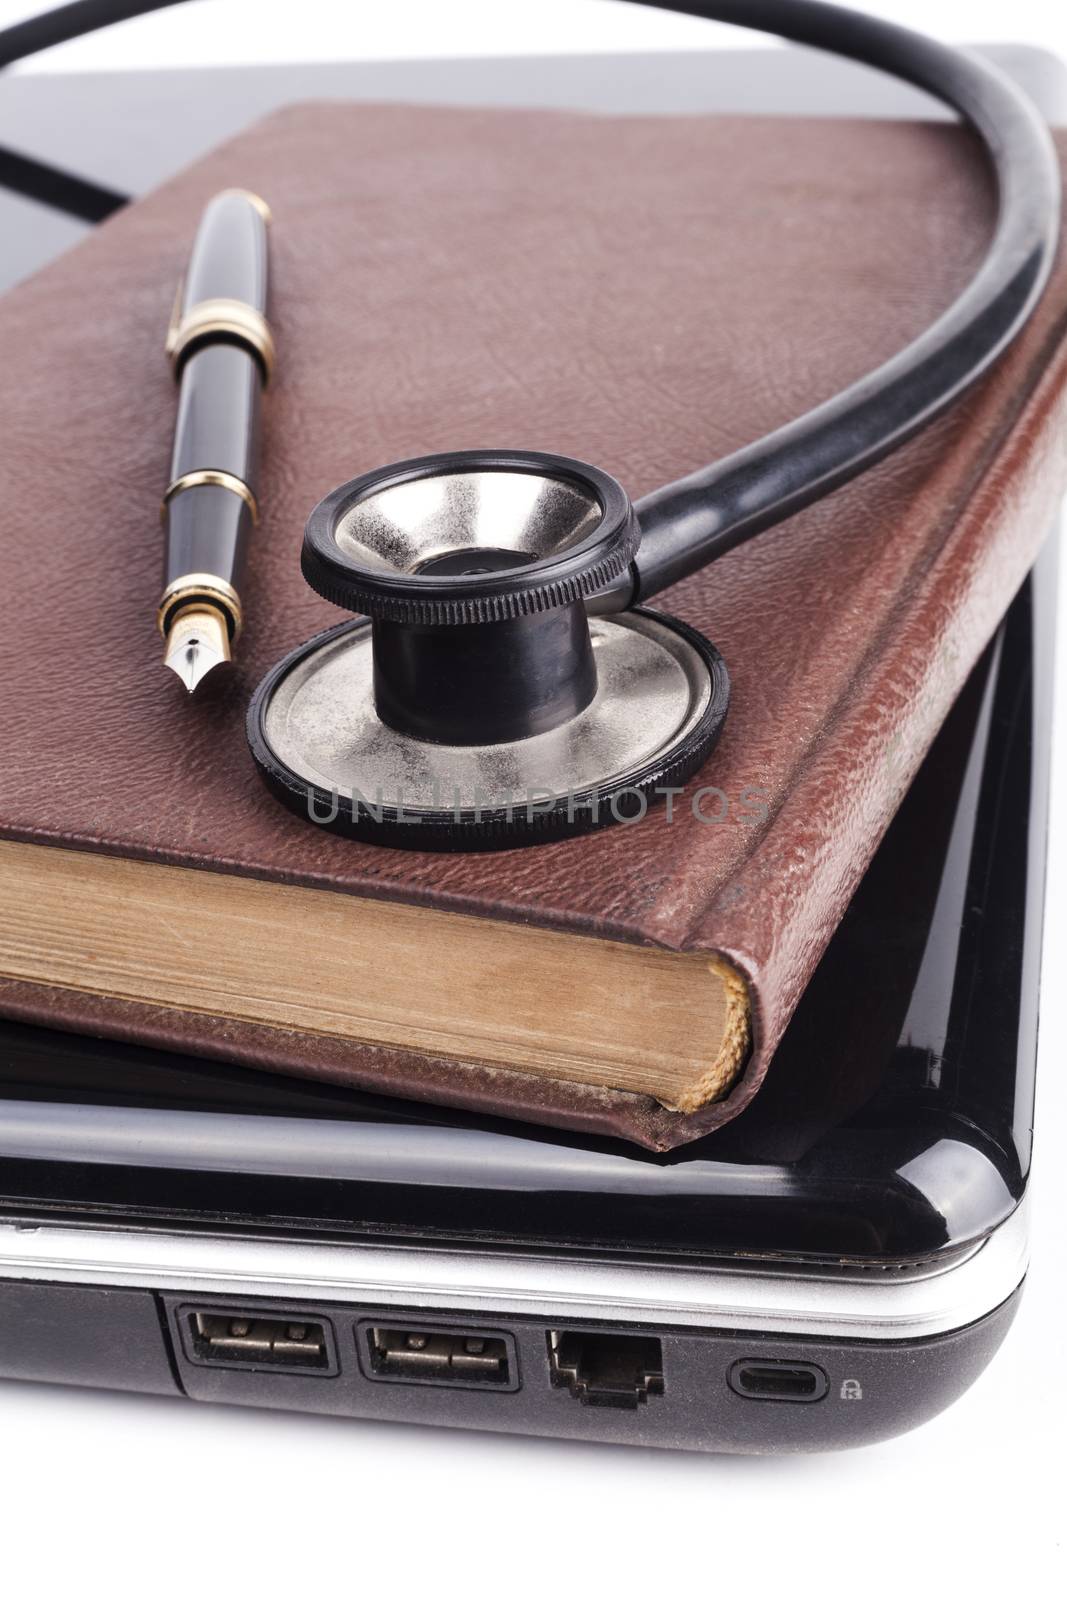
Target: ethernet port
{"type": "Point", "coordinates": [606, 1369]}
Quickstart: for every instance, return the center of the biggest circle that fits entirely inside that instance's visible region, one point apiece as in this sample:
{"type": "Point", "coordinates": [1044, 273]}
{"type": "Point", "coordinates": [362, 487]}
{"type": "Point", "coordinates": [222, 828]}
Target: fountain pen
{"type": "Point", "coordinates": [222, 352]}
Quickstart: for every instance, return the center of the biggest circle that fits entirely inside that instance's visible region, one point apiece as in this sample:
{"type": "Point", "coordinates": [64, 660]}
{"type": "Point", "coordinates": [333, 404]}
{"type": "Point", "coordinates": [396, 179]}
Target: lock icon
{"type": "Point", "coordinates": [851, 1389]}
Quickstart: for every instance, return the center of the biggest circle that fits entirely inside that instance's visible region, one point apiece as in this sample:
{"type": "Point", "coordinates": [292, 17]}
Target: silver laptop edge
{"type": "Point", "coordinates": [872, 1303]}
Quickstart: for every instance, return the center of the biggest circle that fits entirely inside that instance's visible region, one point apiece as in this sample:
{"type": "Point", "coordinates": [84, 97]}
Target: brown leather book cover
{"type": "Point", "coordinates": [641, 293]}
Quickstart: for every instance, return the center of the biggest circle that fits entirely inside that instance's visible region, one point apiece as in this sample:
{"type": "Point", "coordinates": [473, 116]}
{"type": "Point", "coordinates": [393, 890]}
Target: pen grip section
{"type": "Point", "coordinates": [207, 533]}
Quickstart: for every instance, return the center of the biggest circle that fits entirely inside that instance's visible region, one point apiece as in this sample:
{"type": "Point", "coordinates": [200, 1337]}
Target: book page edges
{"type": "Point", "coordinates": [729, 1062]}
{"type": "Point", "coordinates": [552, 1004]}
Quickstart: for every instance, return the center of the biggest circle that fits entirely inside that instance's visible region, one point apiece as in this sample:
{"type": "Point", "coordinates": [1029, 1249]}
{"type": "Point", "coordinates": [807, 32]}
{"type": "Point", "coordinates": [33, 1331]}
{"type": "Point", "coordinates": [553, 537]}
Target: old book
{"type": "Point", "coordinates": [393, 976]}
{"type": "Point", "coordinates": [456, 279]}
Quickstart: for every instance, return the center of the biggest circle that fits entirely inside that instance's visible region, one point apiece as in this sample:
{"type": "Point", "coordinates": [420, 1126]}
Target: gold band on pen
{"type": "Point", "coordinates": [215, 478]}
{"type": "Point", "coordinates": [193, 588]}
{"type": "Point", "coordinates": [220, 318]}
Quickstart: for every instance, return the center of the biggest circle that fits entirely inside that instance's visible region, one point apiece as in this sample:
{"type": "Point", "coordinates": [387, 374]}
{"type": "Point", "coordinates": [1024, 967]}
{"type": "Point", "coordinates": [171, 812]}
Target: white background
{"type": "Point", "coordinates": [264, 30]}
{"type": "Point", "coordinates": [162, 1496]}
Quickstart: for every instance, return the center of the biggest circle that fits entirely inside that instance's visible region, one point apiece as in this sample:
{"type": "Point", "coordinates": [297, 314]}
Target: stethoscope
{"type": "Point", "coordinates": [504, 681]}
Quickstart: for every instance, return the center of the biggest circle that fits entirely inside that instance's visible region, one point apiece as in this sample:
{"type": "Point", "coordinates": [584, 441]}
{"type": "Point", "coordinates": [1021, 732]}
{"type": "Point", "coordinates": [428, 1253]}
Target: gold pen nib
{"type": "Point", "coordinates": [198, 641]}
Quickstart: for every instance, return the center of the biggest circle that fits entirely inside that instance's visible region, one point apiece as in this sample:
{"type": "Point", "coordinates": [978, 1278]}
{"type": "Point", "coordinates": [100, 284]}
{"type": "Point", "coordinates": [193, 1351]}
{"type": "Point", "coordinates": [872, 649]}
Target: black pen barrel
{"type": "Point", "coordinates": [218, 415]}
{"type": "Point", "coordinates": [212, 506]}
{"type": "Point", "coordinates": [222, 351]}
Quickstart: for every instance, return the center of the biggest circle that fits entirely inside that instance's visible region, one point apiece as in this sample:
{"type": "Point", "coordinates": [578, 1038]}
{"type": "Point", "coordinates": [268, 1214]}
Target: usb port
{"type": "Point", "coordinates": [464, 1356]}
{"type": "Point", "coordinates": [246, 1339]}
{"type": "Point", "coordinates": [778, 1380]}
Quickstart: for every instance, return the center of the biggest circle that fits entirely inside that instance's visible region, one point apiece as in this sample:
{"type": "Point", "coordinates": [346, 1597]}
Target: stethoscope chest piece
{"type": "Point", "coordinates": [477, 704]}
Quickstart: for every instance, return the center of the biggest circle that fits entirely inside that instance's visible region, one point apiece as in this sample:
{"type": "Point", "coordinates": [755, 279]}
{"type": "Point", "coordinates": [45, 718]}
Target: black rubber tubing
{"type": "Point", "coordinates": [690, 522]}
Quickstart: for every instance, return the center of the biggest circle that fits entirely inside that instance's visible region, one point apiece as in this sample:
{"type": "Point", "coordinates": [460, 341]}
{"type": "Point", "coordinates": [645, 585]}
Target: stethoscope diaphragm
{"type": "Point", "coordinates": [479, 705]}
